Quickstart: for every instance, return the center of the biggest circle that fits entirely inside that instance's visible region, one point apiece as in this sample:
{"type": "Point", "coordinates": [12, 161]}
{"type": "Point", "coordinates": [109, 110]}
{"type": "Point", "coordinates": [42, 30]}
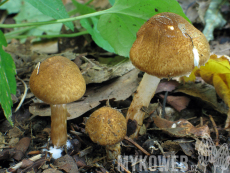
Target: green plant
{"type": "Point", "coordinates": [7, 79]}
{"type": "Point", "coordinates": [113, 29]}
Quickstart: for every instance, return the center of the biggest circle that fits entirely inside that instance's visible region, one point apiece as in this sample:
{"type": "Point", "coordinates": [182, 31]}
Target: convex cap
{"type": "Point", "coordinates": [57, 81]}
{"type": "Point", "coordinates": [106, 126]}
{"type": "Point", "coordinates": [167, 45]}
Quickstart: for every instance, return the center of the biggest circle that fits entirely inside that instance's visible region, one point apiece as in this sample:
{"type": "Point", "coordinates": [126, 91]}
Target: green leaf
{"type": "Point", "coordinates": [52, 8]}
{"type": "Point", "coordinates": [7, 80]}
{"type": "Point", "coordinates": [29, 13]}
{"type": "Point", "coordinates": [2, 39]}
{"type": "Point", "coordinates": [99, 40]}
{"type": "Point", "coordinates": [121, 23]}
{"type": "Point", "coordinates": [91, 25]}
{"type": "Point", "coordinates": [12, 6]}
{"type": "Point", "coordinates": [81, 8]}
{"type": "Point", "coordinates": [112, 2]}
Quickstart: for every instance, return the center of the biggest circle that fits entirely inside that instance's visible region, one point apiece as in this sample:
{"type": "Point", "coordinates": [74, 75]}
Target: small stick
{"type": "Point", "coordinates": [164, 104]}
{"type": "Point", "coordinates": [77, 135]}
{"type": "Point", "coordinates": [34, 158]}
{"type": "Point", "coordinates": [137, 145]}
{"type": "Point", "coordinates": [97, 160]}
{"type": "Point", "coordinates": [123, 167]}
{"type": "Point", "coordinates": [38, 67]}
{"type": "Point", "coordinates": [23, 96]}
{"type": "Point", "coordinates": [215, 128]}
{"type": "Point", "coordinates": [201, 121]}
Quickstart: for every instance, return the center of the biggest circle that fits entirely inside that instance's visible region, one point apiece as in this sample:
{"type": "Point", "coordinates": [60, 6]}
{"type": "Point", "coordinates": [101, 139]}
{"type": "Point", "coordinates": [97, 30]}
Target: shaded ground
{"type": "Point", "coordinates": [197, 104]}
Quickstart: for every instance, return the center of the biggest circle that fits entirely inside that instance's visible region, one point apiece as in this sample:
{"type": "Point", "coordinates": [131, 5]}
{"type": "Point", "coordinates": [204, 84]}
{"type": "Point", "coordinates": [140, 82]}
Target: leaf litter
{"type": "Point", "coordinates": [117, 86]}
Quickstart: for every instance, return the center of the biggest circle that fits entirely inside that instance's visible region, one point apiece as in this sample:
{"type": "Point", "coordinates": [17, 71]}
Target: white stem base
{"type": "Point", "coordinates": [142, 98]}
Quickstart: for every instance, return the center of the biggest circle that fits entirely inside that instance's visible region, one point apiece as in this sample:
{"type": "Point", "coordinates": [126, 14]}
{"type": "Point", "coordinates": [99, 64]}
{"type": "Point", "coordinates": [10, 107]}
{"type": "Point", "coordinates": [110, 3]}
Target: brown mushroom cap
{"type": "Point", "coordinates": [58, 81]}
{"type": "Point", "coordinates": [164, 46]}
{"type": "Point", "coordinates": [106, 126]}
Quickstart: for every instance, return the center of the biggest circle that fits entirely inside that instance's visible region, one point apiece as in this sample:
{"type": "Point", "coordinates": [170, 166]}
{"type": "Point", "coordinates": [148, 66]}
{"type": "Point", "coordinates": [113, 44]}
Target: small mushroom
{"type": "Point", "coordinates": [107, 127]}
{"type": "Point", "coordinates": [167, 46]}
{"type": "Point", "coordinates": [58, 81]}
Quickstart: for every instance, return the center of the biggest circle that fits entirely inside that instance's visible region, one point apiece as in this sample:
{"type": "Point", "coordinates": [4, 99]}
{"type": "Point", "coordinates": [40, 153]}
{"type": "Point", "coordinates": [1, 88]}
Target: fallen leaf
{"type": "Point", "coordinates": [26, 163]}
{"type": "Point", "coordinates": [205, 92]}
{"type": "Point", "coordinates": [118, 89]}
{"type": "Point", "coordinates": [187, 146]}
{"type": "Point", "coordinates": [66, 163]}
{"type": "Point", "coordinates": [80, 161]}
{"type": "Point", "coordinates": [21, 148]}
{"type": "Point", "coordinates": [15, 132]}
{"type": "Point", "coordinates": [7, 154]}
{"type": "Point", "coordinates": [2, 141]}
{"type": "Point", "coordinates": [220, 48]}
{"type": "Point", "coordinates": [217, 73]}
{"type": "Point", "coordinates": [180, 128]}
{"type": "Point", "coordinates": [171, 146]}
{"type": "Point", "coordinates": [177, 102]}
{"type": "Point", "coordinates": [167, 86]}
{"type": "Point", "coordinates": [51, 170]}
{"type": "Point", "coordinates": [13, 141]}
{"type": "Point", "coordinates": [93, 72]}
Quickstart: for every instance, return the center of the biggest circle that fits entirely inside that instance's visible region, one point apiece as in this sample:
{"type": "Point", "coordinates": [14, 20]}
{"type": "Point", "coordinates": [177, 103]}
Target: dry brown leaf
{"type": "Point", "coordinates": [119, 89]}
{"type": "Point", "coordinates": [21, 148]}
{"type": "Point", "coordinates": [177, 102]}
{"type": "Point", "coordinates": [14, 132]}
{"type": "Point", "coordinates": [93, 72]}
{"type": "Point", "coordinates": [167, 86]}
{"type": "Point", "coordinates": [180, 128]}
{"type": "Point", "coordinates": [2, 141]}
{"type": "Point", "coordinates": [171, 146]}
{"type": "Point", "coordinates": [205, 92]}
{"type": "Point", "coordinates": [220, 49]}
{"type": "Point", "coordinates": [66, 163]}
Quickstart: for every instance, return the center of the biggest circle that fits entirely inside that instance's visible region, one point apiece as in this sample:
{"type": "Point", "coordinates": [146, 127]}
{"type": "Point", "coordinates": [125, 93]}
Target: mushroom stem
{"type": "Point", "coordinates": [112, 151]}
{"type": "Point", "coordinates": [142, 98]}
{"type": "Point", "coordinates": [58, 124]}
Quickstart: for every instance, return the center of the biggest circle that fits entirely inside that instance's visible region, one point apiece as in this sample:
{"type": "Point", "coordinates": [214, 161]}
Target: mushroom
{"type": "Point", "coordinates": [58, 81]}
{"type": "Point", "coordinates": [107, 127]}
{"type": "Point", "coordinates": [167, 46]}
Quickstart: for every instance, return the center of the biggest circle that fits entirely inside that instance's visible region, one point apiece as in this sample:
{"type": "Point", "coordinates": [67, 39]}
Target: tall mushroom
{"type": "Point", "coordinates": [167, 46]}
{"type": "Point", "coordinates": [58, 81]}
{"type": "Point", "coordinates": [107, 127]}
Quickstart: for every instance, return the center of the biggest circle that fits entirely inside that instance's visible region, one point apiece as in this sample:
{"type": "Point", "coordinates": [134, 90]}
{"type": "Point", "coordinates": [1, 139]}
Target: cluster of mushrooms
{"type": "Point", "coordinates": [167, 46]}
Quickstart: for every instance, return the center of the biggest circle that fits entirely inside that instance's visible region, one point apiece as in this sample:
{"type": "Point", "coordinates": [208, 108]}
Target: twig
{"type": "Point", "coordinates": [201, 121]}
{"type": "Point", "coordinates": [164, 104]}
{"type": "Point", "coordinates": [77, 136]}
{"type": "Point", "coordinates": [137, 145]}
{"type": "Point", "coordinates": [76, 133]}
{"type": "Point", "coordinates": [123, 167]}
{"type": "Point", "coordinates": [214, 126]}
{"type": "Point", "coordinates": [23, 96]}
{"type": "Point", "coordinates": [97, 160]}
{"type": "Point", "coordinates": [34, 158]}
{"type": "Point", "coordinates": [86, 59]}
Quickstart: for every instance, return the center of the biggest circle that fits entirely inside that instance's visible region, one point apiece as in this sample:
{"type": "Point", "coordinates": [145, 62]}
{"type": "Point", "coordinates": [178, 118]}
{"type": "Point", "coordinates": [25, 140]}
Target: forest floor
{"type": "Point", "coordinates": [25, 147]}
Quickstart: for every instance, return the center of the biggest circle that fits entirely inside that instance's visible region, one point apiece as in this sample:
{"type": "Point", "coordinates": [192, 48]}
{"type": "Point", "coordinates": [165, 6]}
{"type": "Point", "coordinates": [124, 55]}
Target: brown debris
{"type": "Point", "coordinates": [67, 164]}
{"type": "Point", "coordinates": [80, 161]}
{"type": "Point", "coordinates": [137, 145]}
{"type": "Point", "coordinates": [180, 128]}
{"type": "Point", "coordinates": [120, 89]}
{"type": "Point", "coordinates": [7, 154]}
{"type": "Point", "coordinates": [21, 147]}
{"type": "Point", "coordinates": [177, 102]}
